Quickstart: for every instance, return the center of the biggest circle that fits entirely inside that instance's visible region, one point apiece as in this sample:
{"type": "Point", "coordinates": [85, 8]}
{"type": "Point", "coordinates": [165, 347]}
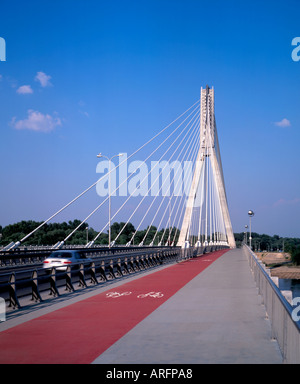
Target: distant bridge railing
{"type": "Point", "coordinates": [36, 255]}
{"type": "Point", "coordinates": [280, 312]}
{"type": "Point", "coordinates": [106, 264]}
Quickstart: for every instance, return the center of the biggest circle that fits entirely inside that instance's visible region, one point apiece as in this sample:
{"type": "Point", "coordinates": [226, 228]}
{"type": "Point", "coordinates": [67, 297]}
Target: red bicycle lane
{"type": "Point", "coordinates": [80, 332]}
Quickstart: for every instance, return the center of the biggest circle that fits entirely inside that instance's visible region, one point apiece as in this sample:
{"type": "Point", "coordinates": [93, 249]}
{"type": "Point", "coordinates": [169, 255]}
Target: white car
{"type": "Point", "coordinates": [60, 260]}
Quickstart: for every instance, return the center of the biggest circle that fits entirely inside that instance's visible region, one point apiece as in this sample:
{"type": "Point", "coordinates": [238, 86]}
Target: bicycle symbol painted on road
{"type": "Point", "coordinates": [155, 295]}
{"type": "Point", "coordinates": [114, 295]}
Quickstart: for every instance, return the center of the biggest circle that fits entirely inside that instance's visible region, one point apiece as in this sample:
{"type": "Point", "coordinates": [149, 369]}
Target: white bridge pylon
{"type": "Point", "coordinates": [206, 219]}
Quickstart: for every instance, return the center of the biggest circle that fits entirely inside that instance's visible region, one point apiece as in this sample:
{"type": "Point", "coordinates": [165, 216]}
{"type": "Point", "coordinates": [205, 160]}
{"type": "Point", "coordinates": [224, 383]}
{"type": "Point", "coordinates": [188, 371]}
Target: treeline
{"type": "Point", "coordinates": [268, 243]}
{"type": "Point", "coordinates": [50, 234]}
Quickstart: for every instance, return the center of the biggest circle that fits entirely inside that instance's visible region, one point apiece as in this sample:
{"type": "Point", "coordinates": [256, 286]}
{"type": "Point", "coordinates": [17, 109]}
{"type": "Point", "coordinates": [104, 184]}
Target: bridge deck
{"type": "Point", "coordinates": [210, 312]}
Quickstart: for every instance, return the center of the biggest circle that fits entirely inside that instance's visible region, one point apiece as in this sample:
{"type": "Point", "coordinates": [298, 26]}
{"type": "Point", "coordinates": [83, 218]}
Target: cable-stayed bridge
{"type": "Point", "coordinates": [178, 186]}
{"type": "Point", "coordinates": [174, 185]}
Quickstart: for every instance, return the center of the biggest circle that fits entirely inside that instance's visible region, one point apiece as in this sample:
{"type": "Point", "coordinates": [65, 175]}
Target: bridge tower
{"type": "Point", "coordinates": [209, 151]}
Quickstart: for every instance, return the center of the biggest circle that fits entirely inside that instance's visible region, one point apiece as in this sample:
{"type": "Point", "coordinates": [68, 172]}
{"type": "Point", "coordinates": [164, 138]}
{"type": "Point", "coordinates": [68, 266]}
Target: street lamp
{"type": "Point", "coordinates": [246, 240]}
{"type": "Point", "coordinates": [250, 214]}
{"type": "Point", "coordinates": [109, 196]}
{"type": "Point", "coordinates": [87, 234]}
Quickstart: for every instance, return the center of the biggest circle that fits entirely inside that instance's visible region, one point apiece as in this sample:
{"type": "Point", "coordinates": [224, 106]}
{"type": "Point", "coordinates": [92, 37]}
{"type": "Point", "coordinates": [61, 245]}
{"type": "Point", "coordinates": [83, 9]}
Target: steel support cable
{"type": "Point", "coordinates": [184, 159]}
{"type": "Point", "coordinates": [104, 201]}
{"type": "Point", "coordinates": [182, 197]}
{"type": "Point", "coordinates": [161, 221]}
{"type": "Point", "coordinates": [203, 203]}
{"type": "Point", "coordinates": [183, 202]}
{"type": "Point", "coordinates": [192, 228]}
{"type": "Point", "coordinates": [180, 218]}
{"type": "Point", "coordinates": [157, 176]}
{"type": "Point", "coordinates": [218, 156]}
{"type": "Point", "coordinates": [203, 206]}
{"type": "Point", "coordinates": [214, 211]}
{"type": "Point", "coordinates": [202, 200]}
{"type": "Point", "coordinates": [221, 220]}
{"type": "Point", "coordinates": [161, 189]}
{"type": "Point", "coordinates": [193, 157]}
{"type": "Point", "coordinates": [217, 220]}
{"type": "Point", "coordinates": [157, 195]}
{"type": "Point", "coordinates": [196, 221]}
{"type": "Point", "coordinates": [198, 211]}
{"type": "Point", "coordinates": [204, 191]}
{"type": "Point", "coordinates": [90, 187]}
{"type": "Point", "coordinates": [210, 206]}
{"type": "Point", "coordinates": [206, 199]}
{"type": "Point", "coordinates": [215, 184]}
{"type": "Point", "coordinates": [209, 153]}
{"type": "Point", "coordinates": [219, 213]}
{"type": "Point", "coordinates": [211, 177]}
{"type": "Point", "coordinates": [195, 224]}
{"type": "Point", "coordinates": [143, 179]}
{"type": "Point", "coordinates": [190, 223]}
{"type": "Point", "coordinates": [214, 207]}
{"type": "Point", "coordinates": [208, 202]}
{"type": "Point", "coordinates": [158, 210]}
{"type": "Point", "coordinates": [200, 193]}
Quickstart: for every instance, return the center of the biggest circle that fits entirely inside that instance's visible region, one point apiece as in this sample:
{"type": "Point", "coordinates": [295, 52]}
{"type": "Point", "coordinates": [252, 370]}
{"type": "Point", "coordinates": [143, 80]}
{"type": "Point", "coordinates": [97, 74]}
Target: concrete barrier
{"type": "Point", "coordinates": [282, 315]}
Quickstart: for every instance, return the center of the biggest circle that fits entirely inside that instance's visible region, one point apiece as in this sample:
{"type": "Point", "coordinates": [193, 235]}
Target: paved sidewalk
{"type": "Point", "coordinates": [217, 318]}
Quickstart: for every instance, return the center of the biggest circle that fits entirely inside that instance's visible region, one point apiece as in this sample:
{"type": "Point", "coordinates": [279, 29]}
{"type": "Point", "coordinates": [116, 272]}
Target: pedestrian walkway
{"type": "Point", "coordinates": [217, 318]}
{"type": "Point", "coordinates": [204, 310]}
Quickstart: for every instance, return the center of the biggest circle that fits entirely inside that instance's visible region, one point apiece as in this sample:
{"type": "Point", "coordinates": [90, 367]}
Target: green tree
{"type": "Point", "coordinates": [294, 251]}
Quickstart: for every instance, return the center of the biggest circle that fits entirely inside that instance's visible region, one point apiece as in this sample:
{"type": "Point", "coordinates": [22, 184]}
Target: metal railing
{"type": "Point", "coordinates": [35, 256]}
{"type": "Point", "coordinates": [33, 281]}
{"type": "Point", "coordinates": [284, 329]}
{"type": "Point", "coordinates": [21, 256]}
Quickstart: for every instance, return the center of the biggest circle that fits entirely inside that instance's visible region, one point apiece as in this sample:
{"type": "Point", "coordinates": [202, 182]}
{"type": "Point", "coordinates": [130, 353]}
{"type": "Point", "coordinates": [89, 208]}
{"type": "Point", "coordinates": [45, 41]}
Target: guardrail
{"type": "Point", "coordinates": [21, 256]}
{"type": "Point", "coordinates": [34, 256]}
{"type": "Point", "coordinates": [34, 281]}
{"type": "Point", "coordinates": [30, 256]}
{"type": "Point", "coordinates": [284, 329]}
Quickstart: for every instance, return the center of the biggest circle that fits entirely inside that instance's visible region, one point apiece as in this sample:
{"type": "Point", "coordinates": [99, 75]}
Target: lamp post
{"type": "Point", "coordinates": [109, 196]}
{"type": "Point", "coordinates": [246, 230]}
{"type": "Point", "coordinates": [87, 234]}
{"type": "Point", "coordinates": [169, 237]}
{"type": "Point", "coordinates": [250, 214]}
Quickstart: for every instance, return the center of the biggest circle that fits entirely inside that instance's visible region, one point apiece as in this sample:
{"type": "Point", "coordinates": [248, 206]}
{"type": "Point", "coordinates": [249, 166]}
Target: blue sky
{"type": "Point", "coordinates": [83, 77]}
